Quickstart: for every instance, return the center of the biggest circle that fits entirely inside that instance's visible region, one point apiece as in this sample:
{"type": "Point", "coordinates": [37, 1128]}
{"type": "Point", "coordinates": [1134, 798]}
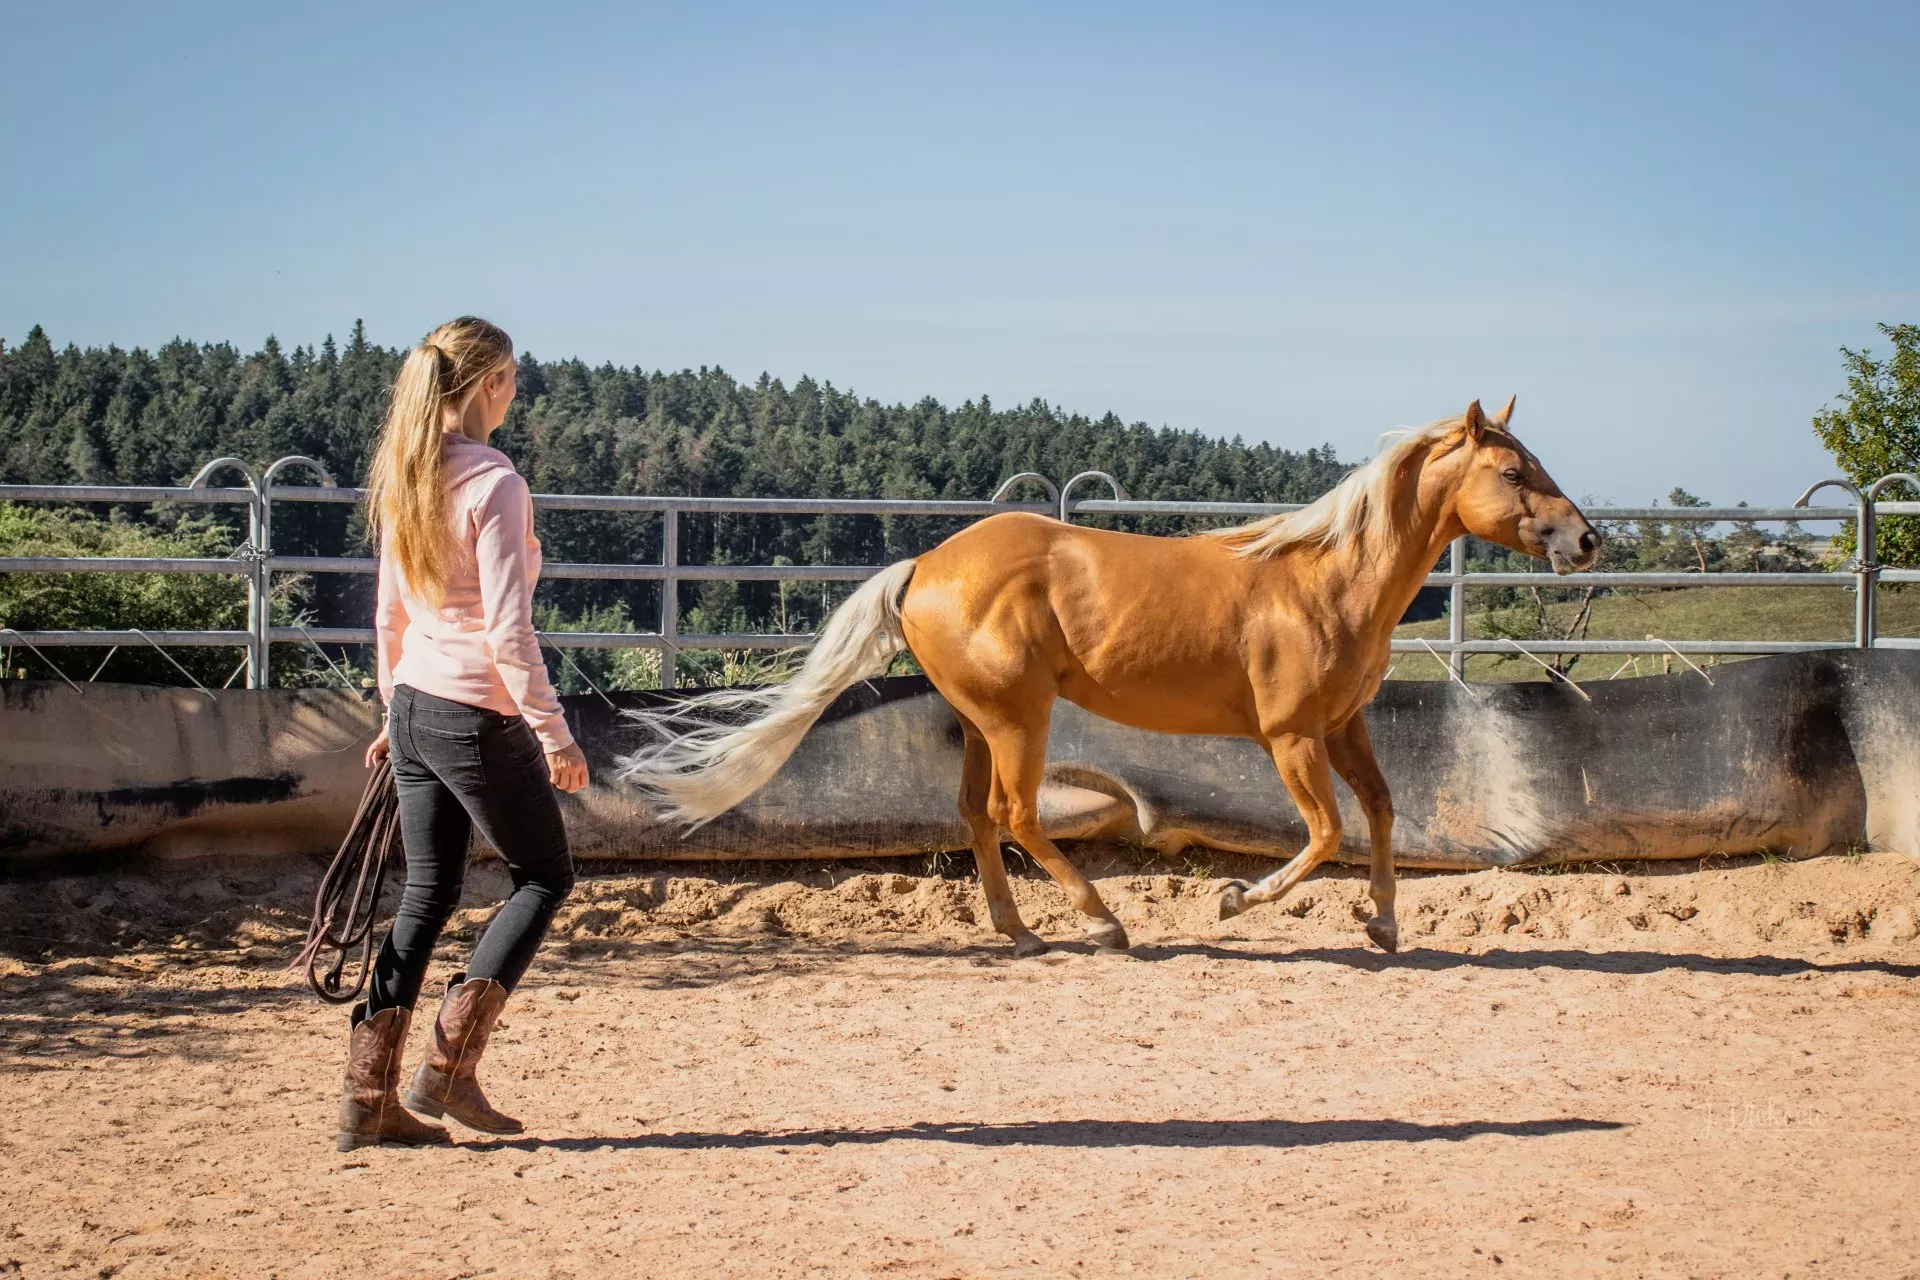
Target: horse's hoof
{"type": "Point", "coordinates": [1109, 934]}
{"type": "Point", "coordinates": [1233, 899]}
{"type": "Point", "coordinates": [1385, 935]}
{"type": "Point", "coordinates": [1028, 945]}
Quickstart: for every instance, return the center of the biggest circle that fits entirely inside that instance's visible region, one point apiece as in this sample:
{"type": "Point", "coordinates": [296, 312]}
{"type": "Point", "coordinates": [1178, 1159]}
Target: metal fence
{"type": "Point", "coordinates": [256, 562]}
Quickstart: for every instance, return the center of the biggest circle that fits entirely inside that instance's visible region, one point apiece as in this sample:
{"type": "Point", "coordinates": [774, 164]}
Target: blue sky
{"type": "Point", "coordinates": [1654, 223]}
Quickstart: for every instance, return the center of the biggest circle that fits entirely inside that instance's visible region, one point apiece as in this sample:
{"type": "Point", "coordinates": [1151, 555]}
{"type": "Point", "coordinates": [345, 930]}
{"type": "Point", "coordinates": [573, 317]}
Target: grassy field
{"type": "Point", "coordinates": [1690, 613]}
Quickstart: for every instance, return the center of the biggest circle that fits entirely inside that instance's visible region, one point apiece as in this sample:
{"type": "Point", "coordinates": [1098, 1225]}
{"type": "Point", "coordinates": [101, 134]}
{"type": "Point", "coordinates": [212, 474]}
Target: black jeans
{"type": "Point", "coordinates": [457, 767]}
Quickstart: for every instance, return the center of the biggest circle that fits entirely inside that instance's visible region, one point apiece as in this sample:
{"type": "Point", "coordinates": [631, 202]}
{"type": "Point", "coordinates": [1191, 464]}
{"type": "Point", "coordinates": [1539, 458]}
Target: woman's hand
{"type": "Point", "coordinates": [567, 768]}
{"type": "Point", "coordinates": [379, 750]}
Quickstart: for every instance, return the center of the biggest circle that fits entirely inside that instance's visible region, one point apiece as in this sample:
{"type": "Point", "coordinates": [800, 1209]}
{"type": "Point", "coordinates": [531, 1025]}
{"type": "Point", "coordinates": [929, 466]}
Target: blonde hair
{"type": "Point", "coordinates": [407, 498]}
{"type": "Point", "coordinates": [1338, 516]}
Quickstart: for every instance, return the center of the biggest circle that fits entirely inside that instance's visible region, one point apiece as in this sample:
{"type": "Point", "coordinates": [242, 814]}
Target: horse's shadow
{"type": "Point", "coordinates": [788, 952]}
{"type": "Point", "coordinates": [1197, 1134]}
{"type": "Point", "coordinates": [1546, 958]}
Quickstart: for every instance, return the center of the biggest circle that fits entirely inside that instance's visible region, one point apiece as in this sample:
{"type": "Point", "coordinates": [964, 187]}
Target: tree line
{"type": "Point", "coordinates": [108, 415]}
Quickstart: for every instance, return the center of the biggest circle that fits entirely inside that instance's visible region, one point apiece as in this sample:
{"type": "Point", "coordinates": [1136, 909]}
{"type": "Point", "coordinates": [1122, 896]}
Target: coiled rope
{"type": "Point", "coordinates": [348, 900]}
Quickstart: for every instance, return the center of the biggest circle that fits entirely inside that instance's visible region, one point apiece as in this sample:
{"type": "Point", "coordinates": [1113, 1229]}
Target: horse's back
{"type": "Point", "coordinates": [1093, 579]}
{"type": "Point", "coordinates": [981, 597]}
{"type": "Point", "coordinates": [1140, 629]}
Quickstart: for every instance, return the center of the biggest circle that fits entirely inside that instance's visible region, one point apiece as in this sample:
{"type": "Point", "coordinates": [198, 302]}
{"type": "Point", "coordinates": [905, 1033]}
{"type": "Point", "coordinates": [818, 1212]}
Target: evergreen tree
{"type": "Point", "coordinates": [154, 418]}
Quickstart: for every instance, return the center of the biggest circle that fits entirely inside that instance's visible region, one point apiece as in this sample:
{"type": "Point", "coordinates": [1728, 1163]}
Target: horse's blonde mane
{"type": "Point", "coordinates": [1339, 516]}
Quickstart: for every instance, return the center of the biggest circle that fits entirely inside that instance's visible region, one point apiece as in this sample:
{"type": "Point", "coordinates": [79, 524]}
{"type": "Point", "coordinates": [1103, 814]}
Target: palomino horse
{"type": "Point", "coordinates": [1276, 631]}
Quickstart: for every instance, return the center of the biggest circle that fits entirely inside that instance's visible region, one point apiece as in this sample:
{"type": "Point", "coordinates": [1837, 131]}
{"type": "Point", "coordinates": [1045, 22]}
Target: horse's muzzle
{"type": "Point", "coordinates": [1571, 552]}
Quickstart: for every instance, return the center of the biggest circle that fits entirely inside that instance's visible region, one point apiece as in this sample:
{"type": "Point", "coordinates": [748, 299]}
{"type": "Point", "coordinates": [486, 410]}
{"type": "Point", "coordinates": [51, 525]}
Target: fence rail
{"type": "Point", "coordinates": [256, 562]}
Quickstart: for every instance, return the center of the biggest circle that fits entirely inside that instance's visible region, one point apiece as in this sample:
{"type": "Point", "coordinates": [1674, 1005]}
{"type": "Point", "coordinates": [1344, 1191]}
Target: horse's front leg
{"type": "Point", "coordinates": [1303, 763]}
{"type": "Point", "coordinates": [1352, 752]}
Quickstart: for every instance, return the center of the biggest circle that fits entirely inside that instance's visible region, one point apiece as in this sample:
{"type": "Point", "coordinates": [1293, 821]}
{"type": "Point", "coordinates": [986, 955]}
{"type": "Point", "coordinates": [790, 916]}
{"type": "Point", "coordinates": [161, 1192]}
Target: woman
{"type": "Point", "coordinates": [474, 731]}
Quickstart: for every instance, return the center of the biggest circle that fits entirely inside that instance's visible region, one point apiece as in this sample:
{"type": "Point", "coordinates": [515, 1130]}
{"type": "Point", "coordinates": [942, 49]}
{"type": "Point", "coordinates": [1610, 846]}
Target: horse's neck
{"type": "Point", "coordinates": [1370, 582]}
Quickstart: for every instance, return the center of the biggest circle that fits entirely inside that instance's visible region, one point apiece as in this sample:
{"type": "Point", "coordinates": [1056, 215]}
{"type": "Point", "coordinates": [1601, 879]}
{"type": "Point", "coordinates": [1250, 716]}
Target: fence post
{"type": "Point", "coordinates": [259, 612]}
{"type": "Point", "coordinates": [1866, 603]}
{"type": "Point", "coordinates": [669, 595]}
{"type": "Point", "coordinates": [1457, 606]}
{"type": "Point", "coordinates": [263, 563]}
{"type": "Point", "coordinates": [256, 560]}
{"type": "Point", "coordinates": [1866, 574]}
{"type": "Point", "coordinates": [1066, 491]}
{"type": "Point", "coordinates": [1012, 482]}
{"type": "Point", "coordinates": [1871, 501]}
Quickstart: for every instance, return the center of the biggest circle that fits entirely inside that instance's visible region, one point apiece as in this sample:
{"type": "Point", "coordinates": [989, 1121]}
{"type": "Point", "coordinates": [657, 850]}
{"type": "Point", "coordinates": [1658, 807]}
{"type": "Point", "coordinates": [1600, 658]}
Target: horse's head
{"type": "Point", "coordinates": [1506, 496]}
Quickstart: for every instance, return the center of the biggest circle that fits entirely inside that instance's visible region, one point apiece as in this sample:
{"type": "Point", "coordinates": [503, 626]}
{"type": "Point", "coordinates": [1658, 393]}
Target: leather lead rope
{"type": "Point", "coordinates": [348, 900]}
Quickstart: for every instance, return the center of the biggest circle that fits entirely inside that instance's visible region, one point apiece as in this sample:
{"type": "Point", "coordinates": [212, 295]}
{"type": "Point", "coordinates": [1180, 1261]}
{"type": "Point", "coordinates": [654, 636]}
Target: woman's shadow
{"type": "Point", "coordinates": [1080, 1133]}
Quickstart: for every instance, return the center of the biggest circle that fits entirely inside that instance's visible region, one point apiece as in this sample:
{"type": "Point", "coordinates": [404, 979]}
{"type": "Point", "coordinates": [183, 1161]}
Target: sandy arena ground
{"type": "Point", "coordinates": [1672, 1071]}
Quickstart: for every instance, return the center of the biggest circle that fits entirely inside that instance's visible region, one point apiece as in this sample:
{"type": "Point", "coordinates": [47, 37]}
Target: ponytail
{"type": "Point", "coordinates": [407, 498]}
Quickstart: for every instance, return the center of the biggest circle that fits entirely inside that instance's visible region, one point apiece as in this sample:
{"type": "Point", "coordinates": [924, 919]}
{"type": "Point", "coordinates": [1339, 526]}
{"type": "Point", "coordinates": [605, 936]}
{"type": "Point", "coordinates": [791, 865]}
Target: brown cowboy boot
{"type": "Point", "coordinates": [445, 1083]}
{"type": "Point", "coordinates": [370, 1110]}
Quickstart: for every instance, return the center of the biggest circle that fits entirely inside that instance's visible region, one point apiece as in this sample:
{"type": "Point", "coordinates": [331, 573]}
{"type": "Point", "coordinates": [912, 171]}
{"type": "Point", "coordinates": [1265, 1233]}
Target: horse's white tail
{"type": "Point", "coordinates": [719, 748]}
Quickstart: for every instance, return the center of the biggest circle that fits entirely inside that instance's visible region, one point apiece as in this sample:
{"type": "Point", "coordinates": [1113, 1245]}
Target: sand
{"type": "Point", "coordinates": [1662, 1070]}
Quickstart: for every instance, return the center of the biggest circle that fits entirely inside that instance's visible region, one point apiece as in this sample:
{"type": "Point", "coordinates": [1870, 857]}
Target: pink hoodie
{"type": "Point", "coordinates": [479, 647]}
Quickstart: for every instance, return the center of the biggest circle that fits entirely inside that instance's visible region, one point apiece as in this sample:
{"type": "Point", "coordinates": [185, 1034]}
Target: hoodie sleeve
{"type": "Point", "coordinates": [505, 550]}
{"type": "Point", "coordinates": [389, 625]}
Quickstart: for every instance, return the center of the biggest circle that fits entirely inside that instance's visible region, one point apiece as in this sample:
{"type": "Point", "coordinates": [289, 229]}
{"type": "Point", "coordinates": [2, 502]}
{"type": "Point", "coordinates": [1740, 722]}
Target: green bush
{"type": "Point", "coordinates": [118, 601]}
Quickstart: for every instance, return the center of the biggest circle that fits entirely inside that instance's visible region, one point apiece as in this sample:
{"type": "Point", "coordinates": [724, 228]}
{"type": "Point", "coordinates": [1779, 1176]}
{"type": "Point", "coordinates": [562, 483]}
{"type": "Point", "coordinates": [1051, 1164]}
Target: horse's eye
{"type": "Point", "coordinates": [1512, 475]}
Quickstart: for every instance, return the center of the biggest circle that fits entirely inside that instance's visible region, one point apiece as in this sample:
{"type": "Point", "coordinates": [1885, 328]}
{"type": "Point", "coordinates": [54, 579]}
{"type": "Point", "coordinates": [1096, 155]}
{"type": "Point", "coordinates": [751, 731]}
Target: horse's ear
{"type": "Point", "coordinates": [1477, 423]}
{"type": "Point", "coordinates": [1502, 418]}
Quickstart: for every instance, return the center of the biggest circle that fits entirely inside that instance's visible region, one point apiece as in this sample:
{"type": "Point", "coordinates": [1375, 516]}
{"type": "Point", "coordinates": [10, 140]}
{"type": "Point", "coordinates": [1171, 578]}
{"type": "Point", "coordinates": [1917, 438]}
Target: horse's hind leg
{"type": "Point", "coordinates": [1019, 762]}
{"type": "Point", "coordinates": [1352, 753]}
{"type": "Point", "coordinates": [976, 785]}
{"type": "Point", "coordinates": [1303, 765]}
